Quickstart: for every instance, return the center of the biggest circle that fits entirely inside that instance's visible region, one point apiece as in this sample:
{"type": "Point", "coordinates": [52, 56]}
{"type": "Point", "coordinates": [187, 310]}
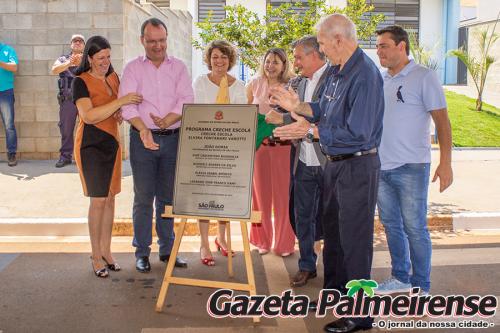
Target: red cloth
{"type": "Point", "coordinates": [271, 183]}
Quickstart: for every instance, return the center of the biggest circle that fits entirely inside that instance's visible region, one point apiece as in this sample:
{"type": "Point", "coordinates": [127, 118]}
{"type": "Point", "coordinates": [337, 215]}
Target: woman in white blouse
{"type": "Point", "coordinates": [217, 87]}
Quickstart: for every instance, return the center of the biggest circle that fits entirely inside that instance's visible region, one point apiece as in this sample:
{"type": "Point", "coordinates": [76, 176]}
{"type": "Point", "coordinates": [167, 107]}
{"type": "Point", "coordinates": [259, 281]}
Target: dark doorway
{"type": "Point", "coordinates": [463, 34]}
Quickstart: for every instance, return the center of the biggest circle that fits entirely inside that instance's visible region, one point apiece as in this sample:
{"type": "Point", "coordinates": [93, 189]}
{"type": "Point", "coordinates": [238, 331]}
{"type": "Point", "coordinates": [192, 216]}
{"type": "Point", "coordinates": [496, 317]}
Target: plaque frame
{"type": "Point", "coordinates": [181, 191]}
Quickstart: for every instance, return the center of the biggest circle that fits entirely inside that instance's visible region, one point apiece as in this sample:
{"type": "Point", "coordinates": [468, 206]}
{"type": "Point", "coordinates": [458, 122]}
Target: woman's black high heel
{"type": "Point", "coordinates": [114, 266]}
{"type": "Point", "coordinates": [102, 273]}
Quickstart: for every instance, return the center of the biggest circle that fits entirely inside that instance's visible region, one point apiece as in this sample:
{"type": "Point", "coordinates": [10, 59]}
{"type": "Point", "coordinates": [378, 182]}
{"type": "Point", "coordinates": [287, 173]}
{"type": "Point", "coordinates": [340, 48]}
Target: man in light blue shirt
{"type": "Point", "coordinates": [413, 95]}
{"type": "Point", "coordinates": [8, 66]}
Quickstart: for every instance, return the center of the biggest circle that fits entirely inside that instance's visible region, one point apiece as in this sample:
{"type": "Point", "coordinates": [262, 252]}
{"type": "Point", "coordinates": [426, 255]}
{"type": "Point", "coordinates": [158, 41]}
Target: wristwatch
{"type": "Point", "coordinates": [310, 134]}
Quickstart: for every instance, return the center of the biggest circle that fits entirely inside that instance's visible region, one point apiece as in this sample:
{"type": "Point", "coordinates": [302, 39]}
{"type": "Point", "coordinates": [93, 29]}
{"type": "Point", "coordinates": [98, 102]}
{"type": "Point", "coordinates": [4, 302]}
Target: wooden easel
{"type": "Point", "coordinates": [168, 279]}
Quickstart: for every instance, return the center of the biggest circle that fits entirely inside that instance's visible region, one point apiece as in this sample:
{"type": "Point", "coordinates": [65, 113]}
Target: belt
{"type": "Point", "coordinates": [272, 143]}
{"type": "Point", "coordinates": [160, 132]}
{"type": "Point", "coordinates": [334, 158]}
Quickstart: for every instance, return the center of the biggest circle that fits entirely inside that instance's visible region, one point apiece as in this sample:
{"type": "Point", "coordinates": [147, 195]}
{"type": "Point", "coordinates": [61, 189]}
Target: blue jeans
{"type": "Point", "coordinates": [402, 206]}
{"type": "Point", "coordinates": [7, 112]}
{"type": "Point", "coordinates": [308, 188]}
{"type": "Point", "coordinates": [153, 172]}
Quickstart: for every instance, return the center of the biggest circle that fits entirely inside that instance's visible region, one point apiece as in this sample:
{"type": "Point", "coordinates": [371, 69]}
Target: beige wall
{"type": "Point", "coordinates": [39, 31]}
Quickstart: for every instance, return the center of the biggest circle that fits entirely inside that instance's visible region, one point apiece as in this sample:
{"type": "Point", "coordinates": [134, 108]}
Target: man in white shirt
{"type": "Point", "coordinates": [412, 94]}
{"type": "Point", "coordinates": [308, 161]}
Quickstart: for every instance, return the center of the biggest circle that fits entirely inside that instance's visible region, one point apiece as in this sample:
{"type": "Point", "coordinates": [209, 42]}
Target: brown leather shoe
{"type": "Point", "coordinates": [301, 277]}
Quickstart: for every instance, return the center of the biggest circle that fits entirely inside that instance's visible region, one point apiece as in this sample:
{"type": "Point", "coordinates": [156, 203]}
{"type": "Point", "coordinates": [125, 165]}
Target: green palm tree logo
{"type": "Point", "coordinates": [368, 287]}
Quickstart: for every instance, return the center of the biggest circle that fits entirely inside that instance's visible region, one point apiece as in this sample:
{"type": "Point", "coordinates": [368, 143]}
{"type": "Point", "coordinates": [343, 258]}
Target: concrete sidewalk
{"type": "Point", "coordinates": [35, 192]}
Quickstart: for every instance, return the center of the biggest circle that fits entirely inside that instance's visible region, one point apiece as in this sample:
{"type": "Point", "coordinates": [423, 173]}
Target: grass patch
{"type": "Point", "coordinates": [472, 128]}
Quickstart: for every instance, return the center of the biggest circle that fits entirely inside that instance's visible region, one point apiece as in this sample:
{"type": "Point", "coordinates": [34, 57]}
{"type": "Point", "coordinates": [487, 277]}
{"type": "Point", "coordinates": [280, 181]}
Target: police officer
{"type": "Point", "coordinates": [65, 67]}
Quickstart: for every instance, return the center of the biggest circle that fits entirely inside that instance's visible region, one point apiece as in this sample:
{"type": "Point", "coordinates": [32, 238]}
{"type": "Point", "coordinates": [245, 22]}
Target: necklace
{"type": "Point", "coordinates": [109, 90]}
{"type": "Point", "coordinates": [97, 77]}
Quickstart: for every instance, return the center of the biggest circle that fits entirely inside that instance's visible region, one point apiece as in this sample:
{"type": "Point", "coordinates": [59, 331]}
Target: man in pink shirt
{"type": "Point", "coordinates": [165, 85]}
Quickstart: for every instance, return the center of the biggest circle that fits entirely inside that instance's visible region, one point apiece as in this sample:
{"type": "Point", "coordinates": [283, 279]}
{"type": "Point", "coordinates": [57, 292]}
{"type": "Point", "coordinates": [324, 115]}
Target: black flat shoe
{"type": "Point", "coordinates": [114, 266]}
{"type": "Point", "coordinates": [62, 163]}
{"type": "Point", "coordinates": [179, 262]}
{"type": "Point", "coordinates": [142, 264]}
{"type": "Point", "coordinates": [344, 325]}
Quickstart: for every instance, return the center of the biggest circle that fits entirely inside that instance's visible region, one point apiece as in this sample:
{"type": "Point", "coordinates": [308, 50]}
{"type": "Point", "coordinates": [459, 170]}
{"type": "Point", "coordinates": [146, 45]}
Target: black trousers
{"type": "Point", "coordinates": [349, 197]}
{"type": "Point", "coordinates": [291, 204]}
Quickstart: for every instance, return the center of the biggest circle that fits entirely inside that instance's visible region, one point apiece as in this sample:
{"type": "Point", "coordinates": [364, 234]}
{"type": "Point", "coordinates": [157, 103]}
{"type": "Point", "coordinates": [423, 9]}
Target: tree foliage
{"type": "Point", "coordinates": [478, 66]}
{"type": "Point", "coordinates": [253, 36]}
{"type": "Point", "coordinates": [420, 53]}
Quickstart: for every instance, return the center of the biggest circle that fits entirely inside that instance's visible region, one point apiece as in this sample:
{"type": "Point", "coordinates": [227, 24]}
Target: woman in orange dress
{"type": "Point", "coordinates": [97, 148]}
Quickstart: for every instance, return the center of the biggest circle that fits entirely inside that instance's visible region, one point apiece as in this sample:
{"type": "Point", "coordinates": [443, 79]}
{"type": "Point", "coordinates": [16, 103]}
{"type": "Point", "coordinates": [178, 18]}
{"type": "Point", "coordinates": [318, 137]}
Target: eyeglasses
{"type": "Point", "coordinates": [77, 41]}
{"type": "Point", "coordinates": [333, 97]}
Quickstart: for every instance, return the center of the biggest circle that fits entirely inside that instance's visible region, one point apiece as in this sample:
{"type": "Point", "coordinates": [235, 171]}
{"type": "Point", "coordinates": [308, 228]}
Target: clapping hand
{"type": "Point", "coordinates": [287, 99]}
{"type": "Point", "coordinates": [75, 59]}
{"type": "Point", "coordinates": [158, 121]}
{"type": "Point", "coordinates": [273, 117]}
{"type": "Point", "coordinates": [165, 122]}
{"type": "Point", "coordinates": [296, 130]}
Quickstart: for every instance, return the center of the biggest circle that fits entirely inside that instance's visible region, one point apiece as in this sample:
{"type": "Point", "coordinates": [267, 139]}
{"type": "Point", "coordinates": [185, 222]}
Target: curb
{"type": "Point", "coordinates": [124, 227]}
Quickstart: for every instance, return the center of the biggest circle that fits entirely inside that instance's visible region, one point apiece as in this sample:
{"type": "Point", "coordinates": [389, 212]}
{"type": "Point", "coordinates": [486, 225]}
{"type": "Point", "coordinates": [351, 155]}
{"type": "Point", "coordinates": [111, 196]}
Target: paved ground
{"type": "Point", "coordinates": [48, 286]}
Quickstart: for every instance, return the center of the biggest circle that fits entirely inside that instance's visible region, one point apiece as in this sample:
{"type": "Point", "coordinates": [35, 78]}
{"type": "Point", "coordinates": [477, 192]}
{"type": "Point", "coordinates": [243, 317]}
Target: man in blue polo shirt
{"type": "Point", "coordinates": [413, 95]}
{"type": "Point", "coordinates": [8, 66]}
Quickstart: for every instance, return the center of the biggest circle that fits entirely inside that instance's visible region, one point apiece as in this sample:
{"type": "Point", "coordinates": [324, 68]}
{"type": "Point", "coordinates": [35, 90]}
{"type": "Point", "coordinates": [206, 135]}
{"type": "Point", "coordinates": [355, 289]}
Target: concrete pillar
{"type": "Point", "coordinates": [451, 20]}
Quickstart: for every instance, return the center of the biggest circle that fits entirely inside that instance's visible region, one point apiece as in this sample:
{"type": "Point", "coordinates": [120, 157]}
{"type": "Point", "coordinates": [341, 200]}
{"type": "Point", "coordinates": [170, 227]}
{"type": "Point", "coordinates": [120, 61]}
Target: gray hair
{"type": "Point", "coordinates": [310, 44]}
{"type": "Point", "coordinates": [337, 24]}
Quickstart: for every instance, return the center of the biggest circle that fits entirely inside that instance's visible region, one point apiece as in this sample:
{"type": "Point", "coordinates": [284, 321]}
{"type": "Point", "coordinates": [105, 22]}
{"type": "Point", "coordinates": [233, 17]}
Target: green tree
{"type": "Point", "coordinates": [420, 53]}
{"type": "Point", "coordinates": [478, 66]}
{"type": "Point", "coordinates": [279, 27]}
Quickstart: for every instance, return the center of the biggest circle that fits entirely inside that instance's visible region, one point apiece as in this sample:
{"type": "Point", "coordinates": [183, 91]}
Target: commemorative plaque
{"type": "Point", "coordinates": [215, 160]}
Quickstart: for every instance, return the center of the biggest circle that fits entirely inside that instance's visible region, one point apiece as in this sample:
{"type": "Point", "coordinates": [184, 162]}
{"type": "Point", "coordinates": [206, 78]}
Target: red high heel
{"type": "Point", "coordinates": [221, 249]}
{"type": "Point", "coordinates": [209, 261]}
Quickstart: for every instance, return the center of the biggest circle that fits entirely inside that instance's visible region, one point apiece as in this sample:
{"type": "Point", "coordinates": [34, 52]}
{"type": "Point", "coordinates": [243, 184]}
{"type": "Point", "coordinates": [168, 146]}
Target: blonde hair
{"type": "Point", "coordinates": [287, 73]}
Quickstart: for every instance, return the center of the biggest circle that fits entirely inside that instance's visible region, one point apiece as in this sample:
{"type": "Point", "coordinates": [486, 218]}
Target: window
{"type": "Point", "coordinates": [161, 3]}
{"type": "Point", "coordinates": [214, 6]}
{"type": "Point", "coordinates": [405, 13]}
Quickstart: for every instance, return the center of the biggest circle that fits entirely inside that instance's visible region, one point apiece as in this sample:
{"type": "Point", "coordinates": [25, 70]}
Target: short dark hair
{"type": "Point", "coordinates": [309, 44]}
{"type": "Point", "coordinates": [398, 35]}
{"type": "Point", "coordinates": [226, 48]}
{"type": "Point", "coordinates": [93, 46]}
{"type": "Point", "coordinates": [155, 22]}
